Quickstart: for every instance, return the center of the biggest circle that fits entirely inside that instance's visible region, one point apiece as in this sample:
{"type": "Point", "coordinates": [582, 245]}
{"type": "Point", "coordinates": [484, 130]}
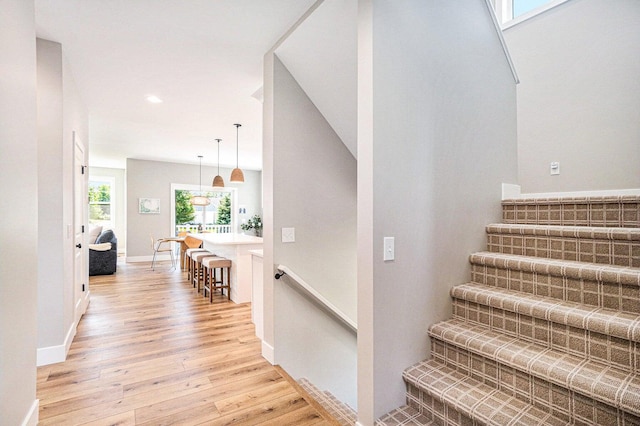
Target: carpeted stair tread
{"type": "Point", "coordinates": [562, 268]}
{"type": "Point", "coordinates": [404, 416]}
{"type": "Point", "coordinates": [588, 232]}
{"type": "Point", "coordinates": [478, 401]}
{"type": "Point", "coordinates": [601, 320]}
{"type": "Point", "coordinates": [341, 412]}
{"type": "Point", "coordinates": [584, 199]}
{"type": "Point", "coordinates": [597, 380]}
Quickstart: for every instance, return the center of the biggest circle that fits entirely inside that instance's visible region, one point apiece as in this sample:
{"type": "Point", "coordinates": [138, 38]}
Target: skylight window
{"type": "Point", "coordinates": [512, 12]}
{"type": "Point", "coordinates": [520, 7]}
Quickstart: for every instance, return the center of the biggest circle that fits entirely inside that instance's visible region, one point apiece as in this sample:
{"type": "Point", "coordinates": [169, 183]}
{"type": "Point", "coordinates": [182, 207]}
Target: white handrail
{"type": "Point", "coordinates": [330, 307]}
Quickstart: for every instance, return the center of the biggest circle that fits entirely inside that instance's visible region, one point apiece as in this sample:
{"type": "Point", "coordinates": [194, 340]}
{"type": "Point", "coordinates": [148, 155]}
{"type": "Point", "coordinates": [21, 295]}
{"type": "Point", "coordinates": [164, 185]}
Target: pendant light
{"type": "Point", "coordinates": [236, 175]}
{"type": "Point", "coordinates": [218, 182]}
{"type": "Point", "coordinates": [200, 200]}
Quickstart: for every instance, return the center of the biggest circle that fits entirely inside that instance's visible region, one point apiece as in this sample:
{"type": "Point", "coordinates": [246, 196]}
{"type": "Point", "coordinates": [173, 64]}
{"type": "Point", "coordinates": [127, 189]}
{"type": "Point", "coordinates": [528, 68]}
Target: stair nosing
{"type": "Point", "coordinates": [601, 272]}
{"type": "Point", "coordinates": [534, 364]}
{"type": "Point", "coordinates": [566, 231]}
{"type": "Point", "coordinates": [586, 199]}
{"type": "Point", "coordinates": [558, 311]}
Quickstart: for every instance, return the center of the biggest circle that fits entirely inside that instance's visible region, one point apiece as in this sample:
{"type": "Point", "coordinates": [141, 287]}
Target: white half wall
{"type": "Point", "coordinates": [579, 96]}
{"type": "Point", "coordinates": [437, 138]}
{"type": "Point", "coordinates": [19, 206]}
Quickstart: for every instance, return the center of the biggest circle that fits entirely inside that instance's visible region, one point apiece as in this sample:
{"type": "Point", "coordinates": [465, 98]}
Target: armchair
{"type": "Point", "coordinates": [103, 255]}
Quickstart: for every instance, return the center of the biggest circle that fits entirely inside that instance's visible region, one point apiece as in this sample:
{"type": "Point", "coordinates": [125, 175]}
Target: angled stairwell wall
{"type": "Point", "coordinates": [540, 335]}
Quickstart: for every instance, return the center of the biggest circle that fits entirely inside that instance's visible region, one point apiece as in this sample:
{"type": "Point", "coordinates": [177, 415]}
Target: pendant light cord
{"type": "Point", "coordinates": [218, 155]}
{"type": "Point", "coordinates": [200, 157]}
{"type": "Point", "coordinates": [237, 149]}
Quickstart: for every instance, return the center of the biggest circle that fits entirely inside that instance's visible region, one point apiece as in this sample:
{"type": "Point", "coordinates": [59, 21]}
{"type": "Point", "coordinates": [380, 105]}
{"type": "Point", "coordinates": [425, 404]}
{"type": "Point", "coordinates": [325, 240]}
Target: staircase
{"type": "Point", "coordinates": [341, 412]}
{"type": "Point", "coordinates": [547, 331]}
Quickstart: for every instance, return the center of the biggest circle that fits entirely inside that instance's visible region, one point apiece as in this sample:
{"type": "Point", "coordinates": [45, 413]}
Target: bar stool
{"type": "Point", "coordinates": [189, 242]}
{"type": "Point", "coordinates": [211, 283]}
{"type": "Point", "coordinates": [188, 253]}
{"type": "Point", "coordinates": [197, 275]}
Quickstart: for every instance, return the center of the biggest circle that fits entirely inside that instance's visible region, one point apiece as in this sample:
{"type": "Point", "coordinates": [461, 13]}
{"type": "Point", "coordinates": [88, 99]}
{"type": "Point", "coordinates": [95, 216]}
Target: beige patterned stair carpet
{"type": "Point", "coordinates": [548, 329]}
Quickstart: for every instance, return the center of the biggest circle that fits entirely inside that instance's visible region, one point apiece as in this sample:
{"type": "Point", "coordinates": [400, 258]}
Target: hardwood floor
{"type": "Point", "coordinates": [151, 351]}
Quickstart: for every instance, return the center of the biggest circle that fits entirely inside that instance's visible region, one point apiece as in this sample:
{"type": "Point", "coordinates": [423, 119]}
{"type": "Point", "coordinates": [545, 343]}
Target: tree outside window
{"type": "Point", "coordinates": [100, 204]}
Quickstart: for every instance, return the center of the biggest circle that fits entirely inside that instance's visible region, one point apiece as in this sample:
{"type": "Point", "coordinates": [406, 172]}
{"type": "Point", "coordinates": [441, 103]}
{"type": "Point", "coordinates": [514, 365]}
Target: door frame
{"type": "Point", "coordinates": [81, 290]}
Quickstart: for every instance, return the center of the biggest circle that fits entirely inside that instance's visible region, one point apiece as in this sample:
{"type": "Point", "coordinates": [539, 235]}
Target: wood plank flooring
{"type": "Point", "coordinates": [151, 351]}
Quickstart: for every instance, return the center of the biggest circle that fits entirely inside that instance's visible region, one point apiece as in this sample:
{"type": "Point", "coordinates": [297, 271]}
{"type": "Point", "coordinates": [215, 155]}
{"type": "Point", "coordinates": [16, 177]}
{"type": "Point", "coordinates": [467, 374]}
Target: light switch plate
{"type": "Point", "coordinates": [288, 235]}
{"type": "Point", "coordinates": [554, 168]}
{"type": "Point", "coordinates": [389, 248]}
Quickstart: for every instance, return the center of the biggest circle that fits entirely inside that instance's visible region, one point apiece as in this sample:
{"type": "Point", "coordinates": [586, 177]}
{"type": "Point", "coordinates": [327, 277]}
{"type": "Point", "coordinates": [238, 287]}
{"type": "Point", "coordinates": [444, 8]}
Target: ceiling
{"type": "Point", "coordinates": [203, 58]}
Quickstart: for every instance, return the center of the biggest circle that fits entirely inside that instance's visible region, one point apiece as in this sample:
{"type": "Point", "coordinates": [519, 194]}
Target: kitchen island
{"type": "Point", "coordinates": [235, 247]}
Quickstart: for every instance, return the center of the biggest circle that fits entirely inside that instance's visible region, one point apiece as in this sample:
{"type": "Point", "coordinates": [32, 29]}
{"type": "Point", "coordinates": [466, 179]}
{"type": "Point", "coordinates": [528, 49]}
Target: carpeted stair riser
{"type": "Point", "coordinates": [612, 246]}
{"type": "Point", "coordinates": [407, 415]}
{"type": "Point", "coordinates": [613, 287]}
{"type": "Point", "coordinates": [570, 406]}
{"type": "Point", "coordinates": [576, 341]}
{"type": "Point", "coordinates": [454, 398]}
{"type": "Point", "coordinates": [616, 211]}
{"type": "Point", "coordinates": [595, 333]}
{"type": "Point", "coordinates": [587, 291]}
{"type": "Point", "coordinates": [593, 380]}
{"type": "Point", "coordinates": [441, 414]}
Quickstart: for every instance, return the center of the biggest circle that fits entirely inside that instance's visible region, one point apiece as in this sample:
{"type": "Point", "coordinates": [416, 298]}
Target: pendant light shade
{"type": "Point", "coordinates": [218, 182]}
{"type": "Point", "coordinates": [236, 174]}
{"type": "Point", "coordinates": [200, 200]}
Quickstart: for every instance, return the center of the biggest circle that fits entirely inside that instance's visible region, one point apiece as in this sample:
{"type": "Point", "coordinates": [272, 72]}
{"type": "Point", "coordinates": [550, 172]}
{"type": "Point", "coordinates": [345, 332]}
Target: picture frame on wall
{"type": "Point", "coordinates": [149, 205]}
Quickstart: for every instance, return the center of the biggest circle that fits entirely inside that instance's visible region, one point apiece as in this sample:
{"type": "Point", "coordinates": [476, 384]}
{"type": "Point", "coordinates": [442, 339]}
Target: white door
{"type": "Point", "coordinates": [80, 202]}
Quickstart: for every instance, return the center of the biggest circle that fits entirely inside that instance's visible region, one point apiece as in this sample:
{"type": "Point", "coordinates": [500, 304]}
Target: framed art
{"type": "Point", "coordinates": [149, 205]}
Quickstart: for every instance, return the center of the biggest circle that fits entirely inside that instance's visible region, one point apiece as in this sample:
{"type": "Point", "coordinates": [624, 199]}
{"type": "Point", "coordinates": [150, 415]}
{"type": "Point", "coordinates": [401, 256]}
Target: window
{"type": "Point", "coordinates": [511, 12]}
{"type": "Point", "coordinates": [217, 217]}
{"type": "Point", "coordinates": [101, 209]}
{"type": "Point", "coordinates": [520, 7]}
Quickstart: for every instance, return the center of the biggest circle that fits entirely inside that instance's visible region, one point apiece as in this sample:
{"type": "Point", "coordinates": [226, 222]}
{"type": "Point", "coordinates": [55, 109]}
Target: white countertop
{"type": "Point", "coordinates": [258, 253]}
{"type": "Point", "coordinates": [227, 239]}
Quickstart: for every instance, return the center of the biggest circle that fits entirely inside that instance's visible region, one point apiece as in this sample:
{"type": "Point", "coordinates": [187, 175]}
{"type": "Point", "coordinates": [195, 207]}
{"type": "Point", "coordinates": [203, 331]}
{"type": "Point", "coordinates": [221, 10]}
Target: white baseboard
{"type": "Point", "coordinates": [268, 353]}
{"type": "Point", "coordinates": [511, 191]}
{"type": "Point", "coordinates": [136, 259]}
{"type": "Point", "coordinates": [31, 419]}
{"type": "Point", "coordinates": [58, 353]}
{"type": "Point", "coordinates": [603, 193]}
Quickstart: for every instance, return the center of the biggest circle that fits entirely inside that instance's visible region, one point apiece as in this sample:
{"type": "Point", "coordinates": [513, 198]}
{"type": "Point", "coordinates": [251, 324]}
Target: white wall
{"type": "Point", "coordinates": [314, 191]}
{"type": "Point", "coordinates": [60, 114]}
{"type": "Point", "coordinates": [578, 100]}
{"type": "Point", "coordinates": [19, 206]}
{"type": "Point", "coordinates": [153, 179]}
{"type": "Point", "coordinates": [437, 137]}
{"type": "Point", "coordinates": [119, 200]}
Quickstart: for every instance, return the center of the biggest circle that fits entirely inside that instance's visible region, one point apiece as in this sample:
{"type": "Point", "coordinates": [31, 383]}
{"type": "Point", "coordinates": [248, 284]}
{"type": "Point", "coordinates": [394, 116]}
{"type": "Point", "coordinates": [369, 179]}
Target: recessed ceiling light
{"type": "Point", "coordinates": [154, 99]}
